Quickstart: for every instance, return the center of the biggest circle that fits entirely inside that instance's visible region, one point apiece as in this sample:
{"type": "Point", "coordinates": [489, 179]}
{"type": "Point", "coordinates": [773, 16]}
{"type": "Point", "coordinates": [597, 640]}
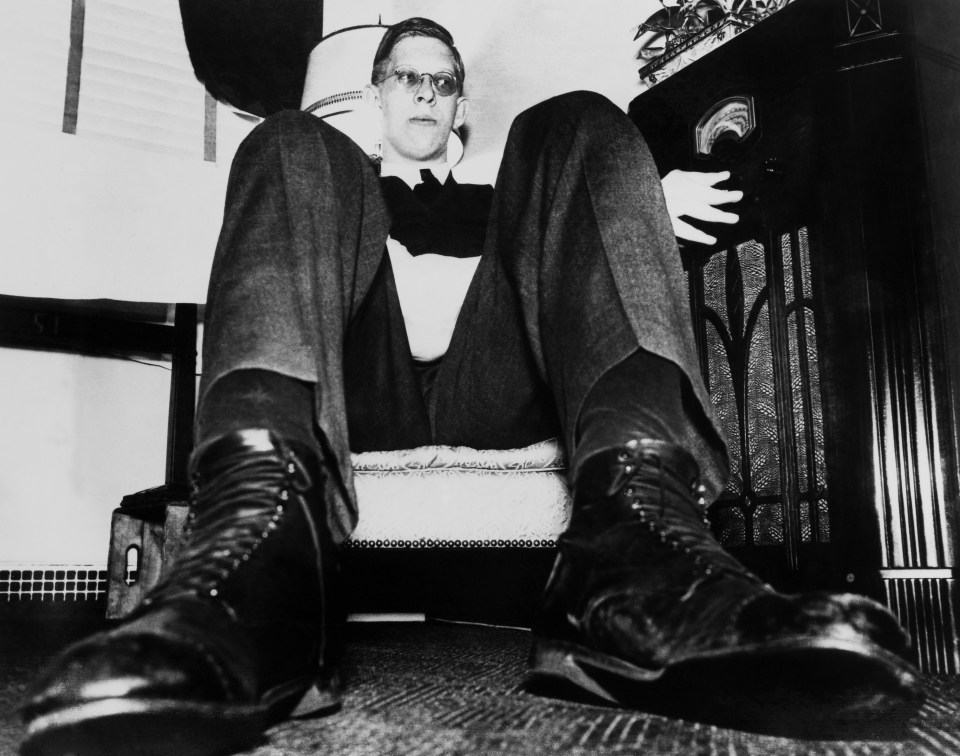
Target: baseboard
{"type": "Point", "coordinates": [52, 582]}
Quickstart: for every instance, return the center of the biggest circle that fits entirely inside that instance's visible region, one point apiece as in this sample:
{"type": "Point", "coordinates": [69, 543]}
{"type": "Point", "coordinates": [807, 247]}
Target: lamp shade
{"type": "Point", "coordinates": [337, 71]}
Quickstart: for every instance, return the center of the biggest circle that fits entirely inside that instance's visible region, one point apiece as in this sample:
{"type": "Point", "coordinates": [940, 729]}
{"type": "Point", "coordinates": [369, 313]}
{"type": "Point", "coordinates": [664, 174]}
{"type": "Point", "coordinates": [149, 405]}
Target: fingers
{"type": "Point", "coordinates": [699, 188]}
{"type": "Point", "coordinates": [714, 215]}
{"type": "Point", "coordinates": [709, 196]}
{"type": "Point", "coordinates": [707, 179]}
{"type": "Point", "coordinates": [683, 230]}
{"type": "Point", "coordinates": [694, 196]}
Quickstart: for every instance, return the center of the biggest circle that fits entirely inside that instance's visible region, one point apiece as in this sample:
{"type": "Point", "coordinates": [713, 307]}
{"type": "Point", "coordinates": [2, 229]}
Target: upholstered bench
{"type": "Point", "coordinates": [444, 531]}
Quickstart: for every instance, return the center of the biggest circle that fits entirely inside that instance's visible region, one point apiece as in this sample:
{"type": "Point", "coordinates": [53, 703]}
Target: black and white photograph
{"type": "Point", "coordinates": [427, 377]}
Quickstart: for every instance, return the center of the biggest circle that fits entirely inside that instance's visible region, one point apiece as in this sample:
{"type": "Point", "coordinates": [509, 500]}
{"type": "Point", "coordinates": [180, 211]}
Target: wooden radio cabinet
{"type": "Point", "coordinates": [828, 319]}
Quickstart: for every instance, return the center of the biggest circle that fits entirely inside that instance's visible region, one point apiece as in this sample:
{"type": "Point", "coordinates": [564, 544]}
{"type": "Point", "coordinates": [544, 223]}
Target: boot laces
{"type": "Point", "coordinates": [669, 510]}
{"type": "Point", "coordinates": [233, 510]}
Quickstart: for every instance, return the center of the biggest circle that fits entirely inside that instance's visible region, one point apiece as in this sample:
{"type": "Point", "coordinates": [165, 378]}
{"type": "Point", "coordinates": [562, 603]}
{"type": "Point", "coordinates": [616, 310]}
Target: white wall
{"type": "Point", "coordinates": [78, 434]}
{"type": "Point", "coordinates": [85, 219]}
{"type": "Point", "coordinates": [87, 216]}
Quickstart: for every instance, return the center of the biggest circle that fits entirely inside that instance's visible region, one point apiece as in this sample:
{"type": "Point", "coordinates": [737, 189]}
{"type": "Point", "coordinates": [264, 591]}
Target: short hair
{"type": "Point", "coordinates": [414, 27]}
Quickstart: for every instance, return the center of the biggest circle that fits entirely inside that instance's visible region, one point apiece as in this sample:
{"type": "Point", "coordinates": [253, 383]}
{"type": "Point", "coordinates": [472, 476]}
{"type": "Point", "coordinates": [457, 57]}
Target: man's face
{"type": "Point", "coordinates": [416, 125]}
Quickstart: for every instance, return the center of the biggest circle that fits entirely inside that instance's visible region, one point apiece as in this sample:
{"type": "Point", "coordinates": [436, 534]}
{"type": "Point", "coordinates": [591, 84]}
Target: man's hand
{"type": "Point", "coordinates": [695, 195]}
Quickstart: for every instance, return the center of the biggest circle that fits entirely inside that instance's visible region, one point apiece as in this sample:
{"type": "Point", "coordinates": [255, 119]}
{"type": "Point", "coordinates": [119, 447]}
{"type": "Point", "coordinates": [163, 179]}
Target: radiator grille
{"type": "Point", "coordinates": [53, 583]}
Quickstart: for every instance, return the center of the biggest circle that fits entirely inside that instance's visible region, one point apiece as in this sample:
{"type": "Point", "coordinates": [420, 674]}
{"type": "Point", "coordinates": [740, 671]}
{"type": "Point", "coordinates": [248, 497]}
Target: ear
{"type": "Point", "coordinates": [461, 115]}
{"type": "Point", "coordinates": [371, 96]}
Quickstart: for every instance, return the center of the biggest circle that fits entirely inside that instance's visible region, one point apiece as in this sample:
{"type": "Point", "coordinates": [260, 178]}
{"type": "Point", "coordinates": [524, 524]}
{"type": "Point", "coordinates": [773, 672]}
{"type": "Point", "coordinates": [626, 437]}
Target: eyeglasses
{"type": "Point", "coordinates": [443, 83]}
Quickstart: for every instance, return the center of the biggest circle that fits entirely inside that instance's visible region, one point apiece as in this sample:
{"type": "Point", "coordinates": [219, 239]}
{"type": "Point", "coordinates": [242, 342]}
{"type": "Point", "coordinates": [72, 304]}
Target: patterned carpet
{"type": "Point", "coordinates": [429, 689]}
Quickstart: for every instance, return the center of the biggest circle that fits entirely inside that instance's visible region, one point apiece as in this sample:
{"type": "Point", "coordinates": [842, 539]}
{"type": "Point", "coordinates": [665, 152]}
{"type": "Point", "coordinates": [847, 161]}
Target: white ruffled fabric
{"type": "Point", "coordinates": [445, 493]}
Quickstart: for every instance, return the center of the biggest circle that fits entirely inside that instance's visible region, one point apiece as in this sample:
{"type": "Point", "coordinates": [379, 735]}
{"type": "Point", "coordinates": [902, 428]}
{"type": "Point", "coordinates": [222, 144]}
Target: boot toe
{"type": "Point", "coordinates": [119, 694]}
{"type": "Point", "coordinates": [142, 667]}
{"type": "Point", "coordinates": [820, 617]}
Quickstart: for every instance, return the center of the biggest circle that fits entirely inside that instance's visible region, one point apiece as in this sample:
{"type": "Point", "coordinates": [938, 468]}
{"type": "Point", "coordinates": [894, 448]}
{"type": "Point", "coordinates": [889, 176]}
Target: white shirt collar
{"type": "Point", "coordinates": [411, 173]}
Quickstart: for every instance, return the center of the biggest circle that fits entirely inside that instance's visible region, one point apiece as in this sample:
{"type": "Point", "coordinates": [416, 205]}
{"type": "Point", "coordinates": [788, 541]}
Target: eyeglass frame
{"type": "Point", "coordinates": [433, 80]}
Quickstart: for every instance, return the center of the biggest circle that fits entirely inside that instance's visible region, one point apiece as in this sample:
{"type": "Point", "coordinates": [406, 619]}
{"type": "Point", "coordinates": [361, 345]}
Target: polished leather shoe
{"type": "Point", "coordinates": [245, 626]}
{"type": "Point", "coordinates": [645, 609]}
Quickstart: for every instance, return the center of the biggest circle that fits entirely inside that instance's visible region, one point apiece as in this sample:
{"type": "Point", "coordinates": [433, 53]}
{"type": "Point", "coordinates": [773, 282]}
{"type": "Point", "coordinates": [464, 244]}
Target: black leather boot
{"type": "Point", "coordinates": [645, 609]}
{"type": "Point", "coordinates": [243, 627]}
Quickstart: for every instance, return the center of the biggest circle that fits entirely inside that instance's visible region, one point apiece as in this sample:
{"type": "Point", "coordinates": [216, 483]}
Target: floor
{"type": "Point", "coordinates": [432, 688]}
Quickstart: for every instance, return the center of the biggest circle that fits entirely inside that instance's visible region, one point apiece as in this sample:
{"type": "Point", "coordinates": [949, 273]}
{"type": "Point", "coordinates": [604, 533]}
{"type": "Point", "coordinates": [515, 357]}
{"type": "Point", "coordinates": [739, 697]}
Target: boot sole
{"type": "Point", "coordinates": [159, 727]}
{"type": "Point", "coordinates": [809, 688]}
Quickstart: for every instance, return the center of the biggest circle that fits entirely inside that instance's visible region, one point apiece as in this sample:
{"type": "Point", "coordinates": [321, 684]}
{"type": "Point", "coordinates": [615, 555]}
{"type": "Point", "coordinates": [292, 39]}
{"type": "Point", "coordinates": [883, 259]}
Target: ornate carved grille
{"type": "Point", "coordinates": [864, 17]}
{"type": "Point", "coordinates": [752, 308]}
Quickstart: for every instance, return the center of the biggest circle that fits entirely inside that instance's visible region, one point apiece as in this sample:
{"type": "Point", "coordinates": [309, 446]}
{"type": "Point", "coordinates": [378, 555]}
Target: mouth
{"type": "Point", "coordinates": [423, 121]}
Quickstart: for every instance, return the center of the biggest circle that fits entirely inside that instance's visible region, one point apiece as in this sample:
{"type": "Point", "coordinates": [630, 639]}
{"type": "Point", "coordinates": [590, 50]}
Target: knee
{"type": "Point", "coordinates": [295, 133]}
{"type": "Point", "coordinates": [583, 102]}
{"type": "Point", "coordinates": [579, 110]}
{"type": "Point", "coordinates": [587, 117]}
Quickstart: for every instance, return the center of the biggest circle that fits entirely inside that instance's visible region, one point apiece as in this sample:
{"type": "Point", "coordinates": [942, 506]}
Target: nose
{"type": "Point", "coordinates": [425, 91]}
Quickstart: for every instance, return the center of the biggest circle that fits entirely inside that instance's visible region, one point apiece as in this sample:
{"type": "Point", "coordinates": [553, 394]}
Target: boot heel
{"type": "Point", "coordinates": [322, 697]}
{"type": "Point", "coordinates": [552, 662]}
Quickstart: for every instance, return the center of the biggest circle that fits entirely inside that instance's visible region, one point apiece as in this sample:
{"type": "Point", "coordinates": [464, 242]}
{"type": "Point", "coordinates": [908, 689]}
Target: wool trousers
{"type": "Point", "coordinates": [579, 271]}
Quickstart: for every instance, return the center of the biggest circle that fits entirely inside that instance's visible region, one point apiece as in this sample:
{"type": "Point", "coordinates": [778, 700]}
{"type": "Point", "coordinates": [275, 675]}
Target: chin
{"type": "Point", "coordinates": [429, 156]}
{"type": "Point", "coordinates": [424, 152]}
{"type": "Point", "coordinates": [421, 153]}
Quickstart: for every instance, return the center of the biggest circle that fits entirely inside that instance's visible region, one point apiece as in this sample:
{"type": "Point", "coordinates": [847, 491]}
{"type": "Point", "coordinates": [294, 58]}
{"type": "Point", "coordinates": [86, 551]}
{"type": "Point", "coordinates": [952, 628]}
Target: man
{"type": "Point", "coordinates": [570, 319]}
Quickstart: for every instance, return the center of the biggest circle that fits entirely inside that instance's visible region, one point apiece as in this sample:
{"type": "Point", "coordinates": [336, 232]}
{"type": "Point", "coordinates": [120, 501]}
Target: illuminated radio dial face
{"type": "Point", "coordinates": [733, 118]}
